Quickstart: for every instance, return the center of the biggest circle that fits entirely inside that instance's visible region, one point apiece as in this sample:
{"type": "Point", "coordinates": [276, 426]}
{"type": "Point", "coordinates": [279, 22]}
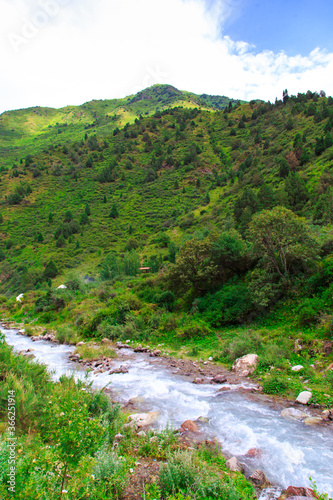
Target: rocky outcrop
{"type": "Point", "coordinates": [246, 365]}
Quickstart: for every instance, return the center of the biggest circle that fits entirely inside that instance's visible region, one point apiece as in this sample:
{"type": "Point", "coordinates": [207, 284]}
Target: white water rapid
{"type": "Point", "coordinates": [291, 452]}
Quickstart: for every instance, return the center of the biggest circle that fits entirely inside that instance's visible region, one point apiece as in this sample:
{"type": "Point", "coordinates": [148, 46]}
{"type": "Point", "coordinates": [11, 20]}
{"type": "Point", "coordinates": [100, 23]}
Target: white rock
{"type": "Point", "coordinates": [62, 287]}
{"type": "Point", "coordinates": [293, 414]}
{"type": "Point", "coordinates": [144, 419]}
{"type": "Point", "coordinates": [304, 397]}
{"type": "Point", "coordinates": [234, 465]}
{"type": "Point", "coordinates": [246, 365]}
{"type": "Point", "coordinates": [313, 420]}
{"type": "Point", "coordinates": [297, 368]}
{"type": "Point", "coordinates": [20, 297]}
{"type": "Point", "coordinates": [210, 358]}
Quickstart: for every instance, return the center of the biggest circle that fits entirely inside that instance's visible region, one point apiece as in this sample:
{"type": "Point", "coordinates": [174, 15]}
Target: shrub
{"type": "Point", "coordinates": [196, 328]}
{"type": "Point", "coordinates": [308, 312]}
{"type": "Point", "coordinates": [274, 384]}
{"type": "Point", "coordinates": [246, 342]}
{"type": "Point", "coordinates": [230, 305]}
{"type": "Point", "coordinates": [111, 468]}
{"type": "Point", "coordinates": [165, 299]}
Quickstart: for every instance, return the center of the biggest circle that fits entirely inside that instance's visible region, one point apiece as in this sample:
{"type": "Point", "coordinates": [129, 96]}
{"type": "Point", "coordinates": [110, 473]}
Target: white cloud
{"type": "Point", "coordinates": [58, 52]}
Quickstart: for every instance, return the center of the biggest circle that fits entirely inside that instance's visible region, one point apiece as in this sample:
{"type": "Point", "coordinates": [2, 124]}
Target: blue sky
{"type": "Point", "coordinates": [60, 52]}
{"type": "Point", "coordinates": [295, 26]}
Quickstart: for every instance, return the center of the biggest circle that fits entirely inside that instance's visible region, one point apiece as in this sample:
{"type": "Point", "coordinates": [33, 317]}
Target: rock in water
{"type": "Point", "coordinates": [254, 452]}
{"type": "Point", "coordinates": [313, 421]}
{"type": "Point", "coordinates": [234, 465]}
{"type": "Point", "coordinates": [188, 425]}
{"type": "Point", "coordinates": [258, 478]}
{"type": "Point", "coordinates": [293, 414]}
{"type": "Point", "coordinates": [219, 379]}
{"type": "Point", "coordinates": [246, 365]}
{"type": "Point", "coordinates": [304, 397]}
{"type": "Point", "coordinates": [294, 491]}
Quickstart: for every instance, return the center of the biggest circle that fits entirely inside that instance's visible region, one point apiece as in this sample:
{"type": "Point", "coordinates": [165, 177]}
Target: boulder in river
{"type": "Point", "coordinates": [293, 414]}
{"type": "Point", "coordinates": [313, 421]}
{"type": "Point", "coordinates": [156, 353]}
{"type": "Point", "coordinates": [254, 452]}
{"type": "Point", "coordinates": [246, 365]}
{"type": "Point", "coordinates": [121, 369]}
{"type": "Point", "coordinates": [144, 419]}
{"type": "Point", "coordinates": [258, 478]}
{"type": "Point", "coordinates": [234, 465]}
{"type": "Point", "coordinates": [219, 379]}
{"type": "Point", "coordinates": [188, 425]}
{"type": "Point", "coordinates": [304, 397]}
{"type": "Point", "coordinates": [294, 491]}
{"type": "Point", "coordinates": [327, 415]}
{"type": "Point", "coordinates": [141, 349]}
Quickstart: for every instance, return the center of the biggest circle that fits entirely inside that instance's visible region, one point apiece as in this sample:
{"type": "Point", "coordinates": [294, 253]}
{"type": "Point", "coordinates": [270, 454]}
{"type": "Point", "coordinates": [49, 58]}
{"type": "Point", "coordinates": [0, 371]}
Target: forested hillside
{"type": "Point", "coordinates": [231, 210]}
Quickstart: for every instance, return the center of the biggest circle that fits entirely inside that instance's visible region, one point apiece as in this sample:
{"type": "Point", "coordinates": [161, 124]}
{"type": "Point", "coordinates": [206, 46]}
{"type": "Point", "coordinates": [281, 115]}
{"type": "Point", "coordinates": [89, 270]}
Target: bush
{"type": "Point", "coordinates": [246, 342]}
{"type": "Point", "coordinates": [308, 312]}
{"type": "Point", "coordinates": [165, 299]}
{"type": "Point", "coordinates": [274, 384]}
{"type": "Point", "coordinates": [197, 328]}
{"type": "Point", "coordinates": [111, 468]}
{"type": "Point", "coordinates": [230, 305]}
{"type": "Point", "coordinates": [275, 354]}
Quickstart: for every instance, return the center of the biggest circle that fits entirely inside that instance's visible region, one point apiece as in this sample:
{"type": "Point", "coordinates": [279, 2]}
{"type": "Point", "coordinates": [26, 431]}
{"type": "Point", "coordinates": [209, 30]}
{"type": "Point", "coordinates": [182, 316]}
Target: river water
{"type": "Point", "coordinates": [291, 452]}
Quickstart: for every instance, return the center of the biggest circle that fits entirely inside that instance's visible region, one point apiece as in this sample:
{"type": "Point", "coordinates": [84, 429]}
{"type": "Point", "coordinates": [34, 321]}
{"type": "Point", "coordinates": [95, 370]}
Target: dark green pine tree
{"type": "Point", "coordinates": [105, 199]}
{"type": "Point", "coordinates": [87, 210]}
{"type": "Point", "coordinates": [328, 140]}
{"type": "Point", "coordinates": [84, 219]}
{"type": "Point", "coordinates": [296, 191]}
{"type": "Point", "coordinates": [114, 212]}
{"type": "Point", "coordinates": [266, 197]}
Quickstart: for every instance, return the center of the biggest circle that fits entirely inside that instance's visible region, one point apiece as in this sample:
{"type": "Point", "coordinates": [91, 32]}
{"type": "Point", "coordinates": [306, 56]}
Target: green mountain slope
{"type": "Point", "coordinates": [178, 171]}
{"type": "Point", "coordinates": [29, 129]}
{"type": "Point", "coordinates": [230, 210]}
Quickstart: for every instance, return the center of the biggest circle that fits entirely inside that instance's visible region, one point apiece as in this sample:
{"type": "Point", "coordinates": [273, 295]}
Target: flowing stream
{"type": "Point", "coordinates": [291, 452]}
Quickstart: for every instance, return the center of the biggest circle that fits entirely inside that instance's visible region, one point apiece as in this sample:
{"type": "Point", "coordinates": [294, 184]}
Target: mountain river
{"type": "Point", "coordinates": [291, 452]}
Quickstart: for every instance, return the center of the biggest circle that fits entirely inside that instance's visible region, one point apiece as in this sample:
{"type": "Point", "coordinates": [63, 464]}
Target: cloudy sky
{"type": "Point", "coordinates": [59, 52]}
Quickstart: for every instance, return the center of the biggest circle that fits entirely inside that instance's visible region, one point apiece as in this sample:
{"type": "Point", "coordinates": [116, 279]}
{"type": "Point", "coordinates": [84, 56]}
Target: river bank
{"type": "Point", "coordinates": [236, 417]}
